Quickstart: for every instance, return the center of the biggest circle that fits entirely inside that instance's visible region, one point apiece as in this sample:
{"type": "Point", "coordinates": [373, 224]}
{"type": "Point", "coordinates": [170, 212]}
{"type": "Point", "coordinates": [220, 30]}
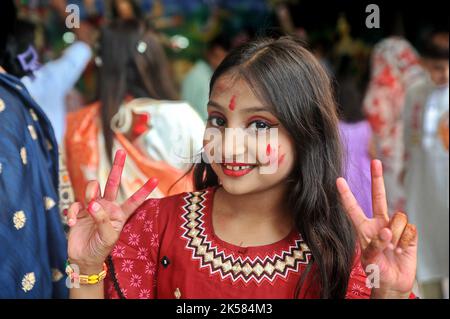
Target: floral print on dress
{"type": "Point", "coordinates": [127, 265]}
{"type": "Point", "coordinates": [136, 271]}
{"type": "Point", "coordinates": [134, 262]}
{"type": "Point", "coordinates": [142, 253]}
{"type": "Point", "coordinates": [135, 280]}
{"type": "Point", "coordinates": [133, 239]}
{"type": "Point", "coordinates": [118, 251]}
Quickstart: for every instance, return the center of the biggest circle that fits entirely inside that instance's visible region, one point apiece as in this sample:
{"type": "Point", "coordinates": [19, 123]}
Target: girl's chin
{"type": "Point", "coordinates": [236, 188]}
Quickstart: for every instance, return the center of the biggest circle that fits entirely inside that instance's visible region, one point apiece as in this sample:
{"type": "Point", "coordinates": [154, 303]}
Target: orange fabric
{"type": "Point", "coordinates": [82, 155]}
{"type": "Point", "coordinates": [81, 146]}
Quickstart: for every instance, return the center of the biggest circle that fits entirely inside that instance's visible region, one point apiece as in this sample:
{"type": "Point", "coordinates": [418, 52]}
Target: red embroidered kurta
{"type": "Point", "coordinates": [168, 250]}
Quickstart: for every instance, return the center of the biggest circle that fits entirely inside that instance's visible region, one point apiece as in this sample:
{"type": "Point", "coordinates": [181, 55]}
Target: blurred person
{"type": "Point", "coordinates": [137, 110]}
{"type": "Point", "coordinates": [356, 134]}
{"type": "Point", "coordinates": [426, 173]}
{"type": "Point", "coordinates": [33, 244]}
{"type": "Point", "coordinates": [50, 83]}
{"type": "Point", "coordinates": [195, 86]}
{"type": "Point", "coordinates": [125, 10]}
{"type": "Point", "coordinates": [394, 68]}
{"type": "Point", "coordinates": [319, 48]}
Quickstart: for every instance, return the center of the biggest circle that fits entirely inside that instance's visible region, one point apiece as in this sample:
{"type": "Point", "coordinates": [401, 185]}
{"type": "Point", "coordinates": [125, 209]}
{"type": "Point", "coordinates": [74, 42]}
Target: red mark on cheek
{"type": "Point", "coordinates": [232, 104]}
{"type": "Point", "coordinates": [268, 150]}
{"type": "Point", "coordinates": [281, 158]}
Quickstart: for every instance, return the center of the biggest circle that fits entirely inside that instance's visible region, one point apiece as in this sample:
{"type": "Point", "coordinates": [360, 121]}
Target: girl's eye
{"type": "Point", "coordinates": [259, 125]}
{"type": "Point", "coordinates": [216, 121]}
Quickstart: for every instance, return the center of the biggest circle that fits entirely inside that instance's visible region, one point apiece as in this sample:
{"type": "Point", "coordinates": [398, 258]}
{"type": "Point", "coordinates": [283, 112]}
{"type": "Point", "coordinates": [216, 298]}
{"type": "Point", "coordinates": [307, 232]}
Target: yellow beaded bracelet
{"type": "Point", "coordinates": [85, 279]}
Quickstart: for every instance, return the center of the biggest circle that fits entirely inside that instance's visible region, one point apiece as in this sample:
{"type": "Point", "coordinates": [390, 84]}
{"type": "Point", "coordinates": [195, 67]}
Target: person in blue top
{"type": "Point", "coordinates": [33, 247]}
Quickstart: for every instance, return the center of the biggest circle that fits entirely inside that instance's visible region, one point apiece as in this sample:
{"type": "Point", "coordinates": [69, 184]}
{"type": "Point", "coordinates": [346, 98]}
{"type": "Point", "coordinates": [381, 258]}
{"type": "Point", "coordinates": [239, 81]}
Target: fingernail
{"type": "Point", "coordinates": [399, 251]}
{"type": "Point", "coordinates": [384, 236]}
{"type": "Point", "coordinates": [119, 159]}
{"type": "Point", "coordinates": [152, 183]}
{"type": "Point", "coordinates": [94, 207]}
{"type": "Point", "coordinates": [391, 246]}
{"type": "Point", "coordinates": [70, 222]}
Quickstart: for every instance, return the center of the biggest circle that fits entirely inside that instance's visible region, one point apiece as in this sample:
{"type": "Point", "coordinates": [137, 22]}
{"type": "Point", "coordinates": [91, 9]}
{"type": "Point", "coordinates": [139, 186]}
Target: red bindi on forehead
{"type": "Point", "coordinates": [232, 105]}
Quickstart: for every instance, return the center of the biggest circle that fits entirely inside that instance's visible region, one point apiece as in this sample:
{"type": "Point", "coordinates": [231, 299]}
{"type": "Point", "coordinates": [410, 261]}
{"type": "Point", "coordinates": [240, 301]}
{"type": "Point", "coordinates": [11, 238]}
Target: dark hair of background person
{"type": "Point", "coordinates": [221, 40]}
{"type": "Point", "coordinates": [8, 16]}
{"type": "Point", "coordinates": [293, 83]}
{"type": "Point", "coordinates": [349, 96]}
{"type": "Point", "coordinates": [19, 42]}
{"type": "Point", "coordinates": [136, 10]}
{"type": "Point", "coordinates": [124, 71]}
{"type": "Point", "coordinates": [432, 46]}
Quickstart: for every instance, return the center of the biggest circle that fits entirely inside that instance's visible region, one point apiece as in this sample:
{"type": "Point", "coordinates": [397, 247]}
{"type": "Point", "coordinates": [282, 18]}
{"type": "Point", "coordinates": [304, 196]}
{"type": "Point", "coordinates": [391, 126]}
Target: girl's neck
{"type": "Point", "coordinates": [252, 219]}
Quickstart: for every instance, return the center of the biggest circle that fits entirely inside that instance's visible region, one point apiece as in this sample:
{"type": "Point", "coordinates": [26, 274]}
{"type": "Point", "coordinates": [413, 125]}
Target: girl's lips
{"type": "Point", "coordinates": [236, 170]}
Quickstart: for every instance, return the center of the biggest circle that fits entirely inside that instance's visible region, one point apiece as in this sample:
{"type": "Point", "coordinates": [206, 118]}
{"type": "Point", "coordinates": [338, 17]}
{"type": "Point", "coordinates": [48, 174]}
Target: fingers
{"type": "Point", "coordinates": [101, 218]}
{"type": "Point", "coordinates": [113, 182]}
{"type": "Point", "coordinates": [408, 238]}
{"type": "Point", "coordinates": [377, 245]}
{"type": "Point", "coordinates": [403, 234]}
{"type": "Point", "coordinates": [132, 203]}
{"type": "Point", "coordinates": [379, 203]}
{"type": "Point", "coordinates": [72, 213]}
{"type": "Point", "coordinates": [350, 203]}
{"type": "Point", "coordinates": [92, 191]}
{"type": "Point", "coordinates": [397, 225]}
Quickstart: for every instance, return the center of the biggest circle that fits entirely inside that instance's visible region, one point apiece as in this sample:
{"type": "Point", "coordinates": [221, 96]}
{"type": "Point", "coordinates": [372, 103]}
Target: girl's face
{"type": "Point", "coordinates": [264, 158]}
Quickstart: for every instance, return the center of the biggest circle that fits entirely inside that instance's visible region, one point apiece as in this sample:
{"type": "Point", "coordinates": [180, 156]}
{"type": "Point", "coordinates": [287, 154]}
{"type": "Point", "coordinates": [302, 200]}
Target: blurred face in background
{"type": "Point", "coordinates": [124, 9]}
{"type": "Point", "coordinates": [438, 70]}
{"type": "Point", "coordinates": [215, 56]}
{"type": "Point", "coordinates": [438, 67]}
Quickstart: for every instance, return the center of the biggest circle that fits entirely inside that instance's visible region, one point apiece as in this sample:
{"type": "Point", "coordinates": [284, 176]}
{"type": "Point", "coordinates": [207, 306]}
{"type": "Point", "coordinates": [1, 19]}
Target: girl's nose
{"type": "Point", "coordinates": [234, 142]}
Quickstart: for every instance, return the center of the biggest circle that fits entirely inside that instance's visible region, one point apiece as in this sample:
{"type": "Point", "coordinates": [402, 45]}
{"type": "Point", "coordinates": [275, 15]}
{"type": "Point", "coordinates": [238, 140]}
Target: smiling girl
{"type": "Point", "coordinates": [295, 233]}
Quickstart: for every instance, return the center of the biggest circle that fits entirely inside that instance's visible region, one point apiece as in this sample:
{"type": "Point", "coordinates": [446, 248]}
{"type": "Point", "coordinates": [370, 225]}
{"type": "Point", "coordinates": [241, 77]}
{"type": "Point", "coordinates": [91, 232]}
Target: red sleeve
{"type": "Point", "coordinates": [133, 262]}
{"type": "Point", "coordinates": [357, 286]}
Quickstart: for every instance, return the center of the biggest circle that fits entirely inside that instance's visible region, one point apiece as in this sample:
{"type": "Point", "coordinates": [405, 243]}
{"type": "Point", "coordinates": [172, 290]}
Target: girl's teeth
{"type": "Point", "coordinates": [236, 168]}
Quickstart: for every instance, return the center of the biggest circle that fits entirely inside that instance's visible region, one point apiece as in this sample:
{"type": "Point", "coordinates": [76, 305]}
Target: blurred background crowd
{"type": "Point", "coordinates": [135, 74]}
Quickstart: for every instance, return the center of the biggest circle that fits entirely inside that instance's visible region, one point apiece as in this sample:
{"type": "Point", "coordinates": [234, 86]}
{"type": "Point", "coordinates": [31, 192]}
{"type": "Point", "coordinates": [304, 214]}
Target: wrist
{"type": "Point", "coordinates": [87, 268]}
{"type": "Point", "coordinates": [378, 293]}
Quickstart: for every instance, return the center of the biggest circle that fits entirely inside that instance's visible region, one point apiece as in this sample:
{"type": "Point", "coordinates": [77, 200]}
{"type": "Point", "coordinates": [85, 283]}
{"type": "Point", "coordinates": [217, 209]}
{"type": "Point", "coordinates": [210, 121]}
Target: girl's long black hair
{"type": "Point", "coordinates": [285, 75]}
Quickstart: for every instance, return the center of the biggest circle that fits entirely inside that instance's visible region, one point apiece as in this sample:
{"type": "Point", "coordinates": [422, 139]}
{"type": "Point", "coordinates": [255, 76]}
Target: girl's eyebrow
{"type": "Point", "coordinates": [245, 110]}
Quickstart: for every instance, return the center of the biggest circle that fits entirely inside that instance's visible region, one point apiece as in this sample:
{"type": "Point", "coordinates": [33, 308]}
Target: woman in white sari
{"type": "Point", "coordinates": [137, 111]}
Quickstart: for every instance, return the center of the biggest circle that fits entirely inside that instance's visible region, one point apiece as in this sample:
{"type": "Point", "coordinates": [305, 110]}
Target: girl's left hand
{"type": "Point", "coordinates": [390, 244]}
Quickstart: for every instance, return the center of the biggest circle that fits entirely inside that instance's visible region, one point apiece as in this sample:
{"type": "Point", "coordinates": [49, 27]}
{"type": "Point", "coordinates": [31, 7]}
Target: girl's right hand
{"type": "Point", "coordinates": [95, 227]}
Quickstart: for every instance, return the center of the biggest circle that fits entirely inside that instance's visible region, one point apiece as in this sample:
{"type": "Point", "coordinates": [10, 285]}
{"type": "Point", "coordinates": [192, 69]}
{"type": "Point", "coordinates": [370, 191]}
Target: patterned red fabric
{"type": "Point", "coordinates": [168, 250]}
{"type": "Point", "coordinates": [394, 68]}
